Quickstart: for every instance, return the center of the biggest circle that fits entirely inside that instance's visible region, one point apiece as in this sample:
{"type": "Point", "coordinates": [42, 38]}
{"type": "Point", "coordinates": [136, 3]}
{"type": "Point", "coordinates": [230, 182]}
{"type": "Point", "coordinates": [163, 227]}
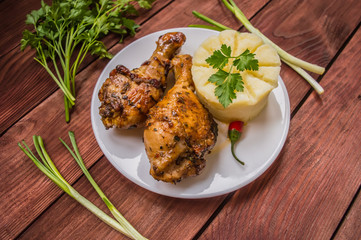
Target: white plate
{"type": "Point", "coordinates": [260, 144]}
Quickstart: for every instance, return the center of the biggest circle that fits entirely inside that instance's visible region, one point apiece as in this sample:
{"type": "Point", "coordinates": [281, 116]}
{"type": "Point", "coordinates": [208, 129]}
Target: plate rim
{"type": "Point", "coordinates": [273, 157]}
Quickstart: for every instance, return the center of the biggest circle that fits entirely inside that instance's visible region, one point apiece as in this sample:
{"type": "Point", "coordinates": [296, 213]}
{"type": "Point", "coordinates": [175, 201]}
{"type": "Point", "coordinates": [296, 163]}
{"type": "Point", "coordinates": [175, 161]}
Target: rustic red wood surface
{"type": "Point", "coordinates": [36, 85]}
{"type": "Point", "coordinates": [310, 192]}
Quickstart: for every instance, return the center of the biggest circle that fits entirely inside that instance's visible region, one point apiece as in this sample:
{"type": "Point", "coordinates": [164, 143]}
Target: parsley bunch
{"type": "Point", "coordinates": [68, 29]}
{"type": "Point", "coordinates": [229, 83]}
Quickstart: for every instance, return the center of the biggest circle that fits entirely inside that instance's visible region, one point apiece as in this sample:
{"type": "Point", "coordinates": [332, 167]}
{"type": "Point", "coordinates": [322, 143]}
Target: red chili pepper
{"type": "Point", "coordinates": [234, 133]}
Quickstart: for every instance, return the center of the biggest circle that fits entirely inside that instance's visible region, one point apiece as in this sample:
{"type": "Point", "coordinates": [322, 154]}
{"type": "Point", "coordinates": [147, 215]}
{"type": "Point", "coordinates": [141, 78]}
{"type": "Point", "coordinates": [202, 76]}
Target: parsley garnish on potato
{"type": "Point", "coordinates": [229, 83]}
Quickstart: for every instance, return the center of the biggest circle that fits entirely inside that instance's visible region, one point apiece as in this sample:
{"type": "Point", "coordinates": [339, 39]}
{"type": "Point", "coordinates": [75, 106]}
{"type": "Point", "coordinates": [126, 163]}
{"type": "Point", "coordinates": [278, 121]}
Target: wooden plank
{"type": "Point", "coordinates": [21, 184]}
{"type": "Point", "coordinates": [13, 16]}
{"type": "Point", "coordinates": [310, 30]}
{"type": "Point", "coordinates": [12, 24]}
{"type": "Point", "coordinates": [350, 228]}
{"type": "Point", "coordinates": [146, 211]}
{"type": "Point", "coordinates": [36, 85]}
{"type": "Point", "coordinates": [307, 191]}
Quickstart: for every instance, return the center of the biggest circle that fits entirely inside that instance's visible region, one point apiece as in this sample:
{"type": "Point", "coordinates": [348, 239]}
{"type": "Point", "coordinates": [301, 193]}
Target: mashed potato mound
{"type": "Point", "coordinates": [257, 84]}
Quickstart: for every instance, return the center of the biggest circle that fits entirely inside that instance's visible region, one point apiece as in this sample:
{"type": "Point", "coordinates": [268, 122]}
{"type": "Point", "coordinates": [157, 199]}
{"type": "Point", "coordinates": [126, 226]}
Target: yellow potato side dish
{"type": "Point", "coordinates": [257, 84]}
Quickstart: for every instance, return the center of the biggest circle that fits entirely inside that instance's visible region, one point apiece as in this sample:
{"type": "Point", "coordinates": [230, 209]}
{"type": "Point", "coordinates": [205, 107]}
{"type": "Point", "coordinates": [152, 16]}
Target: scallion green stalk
{"type": "Point", "coordinates": [209, 20]}
{"type": "Point", "coordinates": [295, 63]}
{"type": "Point", "coordinates": [125, 224]}
{"type": "Point", "coordinates": [283, 54]}
{"type": "Point", "coordinates": [47, 166]}
{"type": "Point", "coordinates": [206, 27]}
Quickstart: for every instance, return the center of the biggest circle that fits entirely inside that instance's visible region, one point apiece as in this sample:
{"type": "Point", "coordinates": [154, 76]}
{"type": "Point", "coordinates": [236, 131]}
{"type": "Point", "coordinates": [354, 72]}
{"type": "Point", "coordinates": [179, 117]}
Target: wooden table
{"type": "Point", "coordinates": [312, 191]}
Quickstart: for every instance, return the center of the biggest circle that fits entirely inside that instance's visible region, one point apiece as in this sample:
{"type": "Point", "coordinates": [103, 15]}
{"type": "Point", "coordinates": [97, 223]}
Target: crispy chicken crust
{"type": "Point", "coordinates": [179, 130]}
{"type": "Point", "coordinates": [127, 95]}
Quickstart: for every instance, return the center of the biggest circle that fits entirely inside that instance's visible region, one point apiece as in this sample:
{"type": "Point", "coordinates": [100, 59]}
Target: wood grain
{"type": "Point", "coordinates": [350, 228]}
{"type": "Point", "coordinates": [145, 210]}
{"type": "Point", "coordinates": [21, 183]}
{"type": "Point", "coordinates": [12, 24]}
{"type": "Point", "coordinates": [13, 16]}
{"type": "Point", "coordinates": [318, 172]}
{"type": "Point", "coordinates": [36, 85]}
{"type": "Point", "coordinates": [304, 194]}
{"type": "Point", "coordinates": [314, 35]}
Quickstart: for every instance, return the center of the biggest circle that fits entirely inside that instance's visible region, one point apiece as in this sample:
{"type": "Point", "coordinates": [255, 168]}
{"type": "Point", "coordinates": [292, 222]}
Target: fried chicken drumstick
{"type": "Point", "coordinates": [127, 95]}
{"type": "Point", "coordinates": [179, 130]}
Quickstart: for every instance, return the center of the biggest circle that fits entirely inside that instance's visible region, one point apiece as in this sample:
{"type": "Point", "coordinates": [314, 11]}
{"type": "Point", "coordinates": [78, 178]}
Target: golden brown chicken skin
{"type": "Point", "coordinates": [127, 95]}
{"type": "Point", "coordinates": [179, 130]}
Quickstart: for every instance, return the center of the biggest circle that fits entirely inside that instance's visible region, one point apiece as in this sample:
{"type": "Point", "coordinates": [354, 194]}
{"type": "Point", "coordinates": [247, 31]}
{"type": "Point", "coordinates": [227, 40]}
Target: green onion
{"type": "Point", "coordinates": [295, 63]}
{"type": "Point", "coordinates": [206, 27]}
{"type": "Point", "coordinates": [47, 166]}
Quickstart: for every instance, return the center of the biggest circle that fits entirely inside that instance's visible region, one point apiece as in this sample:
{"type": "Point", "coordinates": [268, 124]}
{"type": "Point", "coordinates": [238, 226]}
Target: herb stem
{"type": "Point", "coordinates": [60, 54]}
{"type": "Point", "coordinates": [55, 64]}
{"type": "Point", "coordinates": [66, 109]}
{"type": "Point", "coordinates": [283, 54]}
{"type": "Point", "coordinates": [295, 63]}
{"type": "Point", "coordinates": [60, 84]}
{"type": "Point", "coordinates": [119, 5]}
{"type": "Point", "coordinates": [62, 26]}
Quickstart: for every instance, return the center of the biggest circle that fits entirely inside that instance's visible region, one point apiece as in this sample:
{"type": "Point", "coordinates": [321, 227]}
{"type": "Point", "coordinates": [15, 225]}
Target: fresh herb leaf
{"type": "Point", "coordinates": [219, 58]}
{"type": "Point", "coordinates": [68, 27]}
{"type": "Point", "coordinates": [130, 25]}
{"type": "Point", "coordinates": [229, 83]}
{"type": "Point", "coordinates": [145, 3]}
{"type": "Point", "coordinates": [219, 77]}
{"type": "Point", "coordinates": [98, 48]}
{"type": "Point", "coordinates": [246, 61]}
{"type": "Point", "coordinates": [295, 63]}
{"type": "Point", "coordinates": [29, 39]}
{"type": "Point", "coordinates": [34, 16]}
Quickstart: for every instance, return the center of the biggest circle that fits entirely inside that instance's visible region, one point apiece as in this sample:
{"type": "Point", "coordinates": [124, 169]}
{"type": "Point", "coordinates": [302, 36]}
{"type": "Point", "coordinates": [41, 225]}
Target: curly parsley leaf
{"type": "Point", "coordinates": [228, 83]}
